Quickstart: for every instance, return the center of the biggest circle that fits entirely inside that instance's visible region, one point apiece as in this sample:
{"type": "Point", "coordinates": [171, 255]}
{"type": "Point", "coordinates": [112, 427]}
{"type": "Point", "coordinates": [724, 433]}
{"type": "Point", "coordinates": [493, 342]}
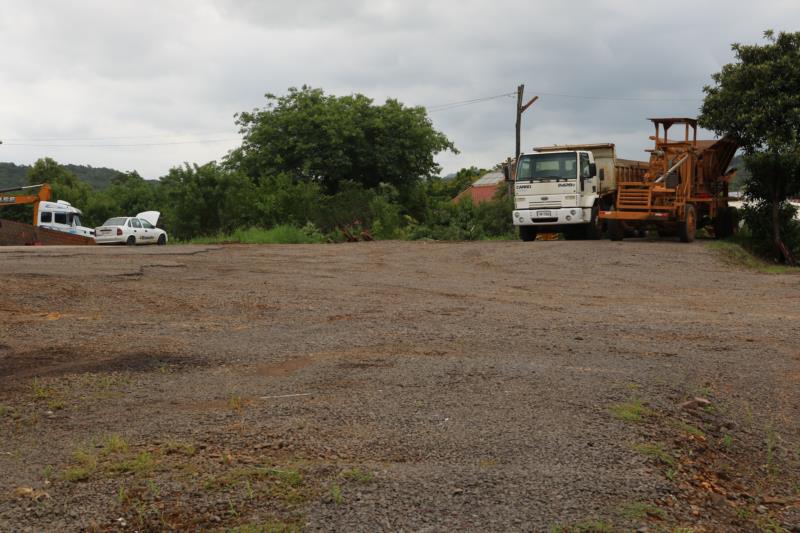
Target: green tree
{"type": "Point", "coordinates": [65, 184]}
{"type": "Point", "coordinates": [756, 101]}
{"type": "Point", "coordinates": [207, 199]}
{"type": "Point", "coordinates": [327, 139]}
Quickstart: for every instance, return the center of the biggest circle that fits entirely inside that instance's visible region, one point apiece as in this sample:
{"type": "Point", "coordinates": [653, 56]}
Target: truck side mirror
{"type": "Point", "coordinates": [592, 170]}
{"type": "Point", "coordinates": [602, 174]}
{"type": "Point", "coordinates": [506, 173]}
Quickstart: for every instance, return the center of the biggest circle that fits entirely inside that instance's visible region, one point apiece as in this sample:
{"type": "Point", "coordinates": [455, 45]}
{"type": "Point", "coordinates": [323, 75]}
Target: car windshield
{"type": "Point", "coordinates": [120, 221]}
{"type": "Point", "coordinates": [547, 166]}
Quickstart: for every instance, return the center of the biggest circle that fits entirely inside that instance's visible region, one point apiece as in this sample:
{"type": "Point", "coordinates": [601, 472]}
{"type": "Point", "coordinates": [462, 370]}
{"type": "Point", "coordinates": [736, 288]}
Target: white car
{"type": "Point", "coordinates": [140, 229]}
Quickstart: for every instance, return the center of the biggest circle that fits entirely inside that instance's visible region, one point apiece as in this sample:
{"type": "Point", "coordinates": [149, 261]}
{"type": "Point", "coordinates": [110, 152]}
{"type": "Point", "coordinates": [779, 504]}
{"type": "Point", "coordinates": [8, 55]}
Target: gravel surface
{"type": "Point", "coordinates": [397, 386]}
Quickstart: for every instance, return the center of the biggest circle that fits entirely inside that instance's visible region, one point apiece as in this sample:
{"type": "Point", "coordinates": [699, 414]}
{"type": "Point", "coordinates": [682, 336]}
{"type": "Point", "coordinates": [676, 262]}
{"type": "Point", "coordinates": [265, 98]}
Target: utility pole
{"type": "Point", "coordinates": [520, 110]}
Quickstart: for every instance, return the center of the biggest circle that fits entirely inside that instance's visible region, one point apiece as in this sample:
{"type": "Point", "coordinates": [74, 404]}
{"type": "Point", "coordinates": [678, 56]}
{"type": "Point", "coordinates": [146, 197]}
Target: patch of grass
{"type": "Point", "coordinates": [336, 494]}
{"type": "Point", "coordinates": [271, 526]}
{"type": "Point", "coordinates": [47, 473]}
{"type": "Point", "coordinates": [55, 405]}
{"type": "Point", "coordinates": [85, 467]}
{"type": "Point", "coordinates": [235, 403]}
{"type": "Point", "coordinates": [733, 254]}
{"type": "Point", "coordinates": [140, 464]}
{"type": "Point", "coordinates": [180, 448]}
{"type": "Point", "coordinates": [282, 234]}
{"type": "Point", "coordinates": [41, 392]}
{"type": "Point", "coordinates": [690, 429]}
{"type": "Point", "coordinates": [632, 411]}
{"type": "Point", "coordinates": [656, 451]}
{"type": "Point", "coordinates": [585, 526]}
{"type": "Point", "coordinates": [771, 442]}
{"type": "Point", "coordinates": [358, 475]}
{"type": "Point", "coordinates": [640, 511]}
{"type": "Point", "coordinates": [115, 444]}
{"type": "Point", "coordinates": [4, 410]}
{"type": "Point", "coordinates": [727, 442]}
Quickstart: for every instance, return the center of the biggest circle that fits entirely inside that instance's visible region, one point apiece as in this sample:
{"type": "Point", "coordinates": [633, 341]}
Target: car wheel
{"type": "Point", "coordinates": [131, 241]}
{"type": "Point", "coordinates": [162, 240]}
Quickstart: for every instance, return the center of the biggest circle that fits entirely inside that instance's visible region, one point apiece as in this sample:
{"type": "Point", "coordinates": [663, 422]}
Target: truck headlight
{"type": "Point", "coordinates": [569, 217]}
{"type": "Point", "coordinates": [572, 212]}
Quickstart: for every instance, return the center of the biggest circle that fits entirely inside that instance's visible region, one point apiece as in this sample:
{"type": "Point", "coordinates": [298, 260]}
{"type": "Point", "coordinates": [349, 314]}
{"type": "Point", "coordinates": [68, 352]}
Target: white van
{"type": "Point", "coordinates": [61, 216]}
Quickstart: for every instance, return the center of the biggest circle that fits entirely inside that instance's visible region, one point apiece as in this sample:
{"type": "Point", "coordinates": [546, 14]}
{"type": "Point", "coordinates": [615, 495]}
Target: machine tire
{"type": "Point", "coordinates": [687, 228]}
{"type": "Point", "coordinates": [616, 232]}
{"type": "Point", "coordinates": [527, 233]}
{"type": "Point", "coordinates": [594, 230]}
{"type": "Point", "coordinates": [131, 241]}
{"type": "Point", "coordinates": [162, 240]}
{"type": "Point", "coordinates": [667, 232]}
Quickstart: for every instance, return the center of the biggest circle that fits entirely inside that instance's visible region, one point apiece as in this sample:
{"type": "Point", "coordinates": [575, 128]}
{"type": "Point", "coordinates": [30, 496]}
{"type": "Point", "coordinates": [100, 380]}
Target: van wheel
{"type": "Point", "coordinates": [131, 241]}
{"type": "Point", "coordinates": [162, 240]}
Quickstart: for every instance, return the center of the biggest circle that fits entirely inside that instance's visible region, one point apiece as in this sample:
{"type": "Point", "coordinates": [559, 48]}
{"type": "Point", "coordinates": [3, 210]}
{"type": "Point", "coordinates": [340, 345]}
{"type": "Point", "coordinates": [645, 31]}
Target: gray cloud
{"type": "Point", "coordinates": [178, 70]}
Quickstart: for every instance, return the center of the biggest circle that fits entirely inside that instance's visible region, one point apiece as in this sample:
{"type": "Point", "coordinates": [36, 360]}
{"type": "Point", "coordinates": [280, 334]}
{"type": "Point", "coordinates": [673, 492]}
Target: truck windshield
{"type": "Point", "coordinates": [547, 166]}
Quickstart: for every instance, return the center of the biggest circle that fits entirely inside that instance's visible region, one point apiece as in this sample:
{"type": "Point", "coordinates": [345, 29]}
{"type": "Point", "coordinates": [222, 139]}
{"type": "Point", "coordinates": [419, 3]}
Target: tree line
{"type": "Point", "coordinates": [339, 166]}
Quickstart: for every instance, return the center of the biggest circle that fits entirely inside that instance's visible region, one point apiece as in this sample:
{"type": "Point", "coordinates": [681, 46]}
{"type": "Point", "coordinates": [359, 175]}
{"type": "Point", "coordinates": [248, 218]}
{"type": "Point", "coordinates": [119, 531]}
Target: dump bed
{"type": "Point", "coordinates": [609, 168]}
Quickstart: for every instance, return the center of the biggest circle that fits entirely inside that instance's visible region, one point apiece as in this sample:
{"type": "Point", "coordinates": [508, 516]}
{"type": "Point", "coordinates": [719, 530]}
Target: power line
{"type": "Point", "coordinates": [462, 103]}
{"type": "Point", "coordinates": [116, 145]}
{"type": "Point", "coordinates": [619, 98]}
{"type": "Point", "coordinates": [161, 136]}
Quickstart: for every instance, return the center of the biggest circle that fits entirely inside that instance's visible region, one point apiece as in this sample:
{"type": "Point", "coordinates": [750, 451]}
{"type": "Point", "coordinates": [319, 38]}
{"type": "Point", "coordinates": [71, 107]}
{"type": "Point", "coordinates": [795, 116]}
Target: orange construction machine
{"type": "Point", "coordinates": [53, 222]}
{"type": "Point", "coordinates": [685, 187]}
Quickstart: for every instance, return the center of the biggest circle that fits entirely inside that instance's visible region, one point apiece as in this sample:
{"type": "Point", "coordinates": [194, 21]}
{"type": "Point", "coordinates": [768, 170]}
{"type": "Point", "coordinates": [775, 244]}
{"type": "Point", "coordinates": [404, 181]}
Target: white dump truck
{"type": "Point", "coordinates": [563, 188]}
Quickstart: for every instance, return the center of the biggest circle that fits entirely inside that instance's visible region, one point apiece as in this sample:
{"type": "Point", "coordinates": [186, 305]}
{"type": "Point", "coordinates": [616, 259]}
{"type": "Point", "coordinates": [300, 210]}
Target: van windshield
{"type": "Point", "coordinates": [536, 167]}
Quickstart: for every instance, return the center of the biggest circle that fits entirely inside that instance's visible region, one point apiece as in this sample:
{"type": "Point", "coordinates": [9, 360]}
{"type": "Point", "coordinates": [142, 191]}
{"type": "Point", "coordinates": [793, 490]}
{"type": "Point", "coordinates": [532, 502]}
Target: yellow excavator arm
{"type": "Point", "coordinates": [45, 192]}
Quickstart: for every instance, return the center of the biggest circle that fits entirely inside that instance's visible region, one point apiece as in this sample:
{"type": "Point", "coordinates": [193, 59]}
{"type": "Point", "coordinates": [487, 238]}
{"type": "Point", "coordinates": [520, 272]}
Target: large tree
{"type": "Point", "coordinates": [756, 101]}
{"type": "Point", "coordinates": [328, 139]}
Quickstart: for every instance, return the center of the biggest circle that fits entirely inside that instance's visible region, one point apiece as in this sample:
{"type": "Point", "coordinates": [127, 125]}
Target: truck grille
{"type": "Point", "coordinates": [544, 205]}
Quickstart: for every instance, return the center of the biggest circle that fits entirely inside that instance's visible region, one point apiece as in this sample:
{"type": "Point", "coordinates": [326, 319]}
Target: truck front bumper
{"type": "Point", "coordinates": [565, 216]}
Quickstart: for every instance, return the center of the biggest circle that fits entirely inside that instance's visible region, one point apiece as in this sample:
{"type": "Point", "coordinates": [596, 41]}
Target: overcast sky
{"type": "Point", "coordinates": [138, 85]}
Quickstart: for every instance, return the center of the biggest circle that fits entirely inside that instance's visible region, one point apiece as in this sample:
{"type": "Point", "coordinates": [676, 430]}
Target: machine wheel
{"type": "Point", "coordinates": [688, 226]}
{"type": "Point", "coordinates": [616, 232]}
{"type": "Point", "coordinates": [527, 233]}
{"type": "Point", "coordinates": [162, 240]}
{"type": "Point", "coordinates": [594, 230]}
{"type": "Point", "coordinates": [131, 241]}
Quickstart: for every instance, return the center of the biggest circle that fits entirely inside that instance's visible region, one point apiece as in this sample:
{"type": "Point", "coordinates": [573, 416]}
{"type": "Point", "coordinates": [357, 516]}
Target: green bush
{"type": "Point", "coordinates": [282, 234]}
{"type": "Point", "coordinates": [758, 221]}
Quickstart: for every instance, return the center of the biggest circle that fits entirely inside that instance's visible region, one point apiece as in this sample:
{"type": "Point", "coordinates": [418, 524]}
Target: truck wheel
{"type": "Point", "coordinates": [688, 226]}
{"type": "Point", "coordinates": [131, 241]}
{"type": "Point", "coordinates": [594, 230]}
{"type": "Point", "coordinates": [527, 233]}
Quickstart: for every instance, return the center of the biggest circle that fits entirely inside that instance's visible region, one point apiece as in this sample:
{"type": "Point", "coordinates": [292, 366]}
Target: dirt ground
{"type": "Point", "coordinates": [397, 386]}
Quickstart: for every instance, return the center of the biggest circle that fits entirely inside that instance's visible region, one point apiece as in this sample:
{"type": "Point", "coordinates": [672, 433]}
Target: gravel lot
{"type": "Point", "coordinates": [397, 386]}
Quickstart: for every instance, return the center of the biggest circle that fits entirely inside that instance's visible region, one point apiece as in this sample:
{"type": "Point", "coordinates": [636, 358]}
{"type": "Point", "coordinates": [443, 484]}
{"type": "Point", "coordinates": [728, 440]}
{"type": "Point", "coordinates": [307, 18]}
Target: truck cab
{"type": "Point", "coordinates": [62, 216]}
{"type": "Point", "coordinates": [557, 191]}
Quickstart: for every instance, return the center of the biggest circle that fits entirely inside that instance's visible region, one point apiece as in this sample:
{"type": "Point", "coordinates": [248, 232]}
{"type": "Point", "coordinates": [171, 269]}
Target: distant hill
{"type": "Point", "coordinates": [98, 177]}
